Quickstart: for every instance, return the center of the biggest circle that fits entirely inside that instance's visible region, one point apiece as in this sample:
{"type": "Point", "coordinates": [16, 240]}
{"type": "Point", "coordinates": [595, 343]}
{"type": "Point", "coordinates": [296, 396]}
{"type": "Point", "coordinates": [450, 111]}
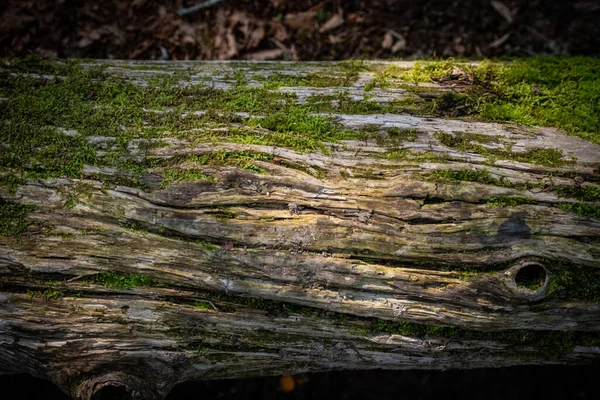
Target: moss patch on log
{"type": "Point", "coordinates": [583, 209]}
{"type": "Point", "coordinates": [13, 218]}
{"type": "Point", "coordinates": [53, 125]}
{"type": "Point", "coordinates": [575, 283]}
{"type": "Point", "coordinates": [112, 279]}
{"type": "Point", "coordinates": [550, 343]}
{"type": "Point", "coordinates": [563, 92]}
{"type": "Point", "coordinates": [484, 176]}
{"type": "Point", "coordinates": [173, 175]}
{"type": "Point", "coordinates": [315, 79]}
{"type": "Point", "coordinates": [508, 201]}
{"type": "Point", "coordinates": [463, 142]}
{"type": "Point", "coordinates": [52, 111]}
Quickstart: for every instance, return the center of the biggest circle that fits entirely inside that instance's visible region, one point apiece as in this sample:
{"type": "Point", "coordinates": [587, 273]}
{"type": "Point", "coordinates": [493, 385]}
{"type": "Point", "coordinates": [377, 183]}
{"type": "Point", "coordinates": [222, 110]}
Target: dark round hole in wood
{"type": "Point", "coordinates": [531, 277]}
{"type": "Point", "coordinates": [112, 393]}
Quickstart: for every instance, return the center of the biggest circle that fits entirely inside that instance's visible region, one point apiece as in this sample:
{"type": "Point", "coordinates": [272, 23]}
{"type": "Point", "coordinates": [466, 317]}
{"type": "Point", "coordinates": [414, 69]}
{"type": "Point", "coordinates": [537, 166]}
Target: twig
{"type": "Point", "coordinates": [209, 302]}
{"type": "Point", "coordinates": [79, 277]}
{"type": "Point", "coordinates": [198, 7]}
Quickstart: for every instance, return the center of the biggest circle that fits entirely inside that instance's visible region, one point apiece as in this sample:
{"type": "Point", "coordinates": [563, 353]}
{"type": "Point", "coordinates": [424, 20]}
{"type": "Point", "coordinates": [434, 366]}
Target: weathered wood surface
{"type": "Point", "coordinates": [282, 271]}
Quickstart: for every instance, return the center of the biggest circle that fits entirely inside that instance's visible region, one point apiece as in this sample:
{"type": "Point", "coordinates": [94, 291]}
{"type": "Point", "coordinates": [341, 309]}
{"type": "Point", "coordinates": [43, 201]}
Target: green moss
{"type": "Point", "coordinates": [209, 247]}
{"type": "Point", "coordinates": [53, 294]}
{"type": "Point", "coordinates": [12, 182]}
{"type": "Point", "coordinates": [13, 218]}
{"type": "Point", "coordinates": [64, 235]}
{"type": "Point", "coordinates": [563, 92]}
{"type": "Point", "coordinates": [276, 80]}
{"type": "Point", "coordinates": [415, 156]}
{"type": "Point", "coordinates": [469, 271]}
{"type": "Point", "coordinates": [464, 142]}
{"type": "Point", "coordinates": [411, 329]}
{"type": "Point", "coordinates": [171, 176]}
{"type": "Point", "coordinates": [47, 294]}
{"type": "Point", "coordinates": [551, 343]}
{"type": "Point", "coordinates": [468, 175]}
{"type": "Point", "coordinates": [112, 279]}
{"type": "Point", "coordinates": [221, 213]}
{"type": "Point", "coordinates": [409, 134]}
{"type": "Point", "coordinates": [353, 66]}
{"type": "Point", "coordinates": [243, 159]}
{"type": "Point", "coordinates": [583, 209]}
{"type": "Point", "coordinates": [393, 137]}
{"type": "Point", "coordinates": [421, 72]}
{"type": "Point", "coordinates": [511, 201]}
{"type": "Point", "coordinates": [585, 193]}
{"type": "Point", "coordinates": [379, 82]}
{"type": "Point", "coordinates": [315, 171]}
{"type": "Point", "coordinates": [552, 91]}
{"type": "Point", "coordinates": [46, 123]}
{"type": "Point", "coordinates": [367, 173]}
{"type": "Point", "coordinates": [575, 283]}
{"type": "Point", "coordinates": [341, 102]}
{"type": "Point", "coordinates": [133, 226]}
{"type": "Point", "coordinates": [468, 275]}
{"type": "Point", "coordinates": [203, 305]}
{"type": "Point", "coordinates": [72, 194]}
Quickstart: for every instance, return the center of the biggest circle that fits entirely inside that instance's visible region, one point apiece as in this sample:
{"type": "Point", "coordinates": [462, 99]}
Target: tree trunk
{"type": "Point", "coordinates": [228, 244]}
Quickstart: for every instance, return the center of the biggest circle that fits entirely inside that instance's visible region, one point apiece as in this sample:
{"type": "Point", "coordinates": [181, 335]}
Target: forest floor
{"type": "Point", "coordinates": [299, 29]}
{"type": "Point", "coordinates": [516, 383]}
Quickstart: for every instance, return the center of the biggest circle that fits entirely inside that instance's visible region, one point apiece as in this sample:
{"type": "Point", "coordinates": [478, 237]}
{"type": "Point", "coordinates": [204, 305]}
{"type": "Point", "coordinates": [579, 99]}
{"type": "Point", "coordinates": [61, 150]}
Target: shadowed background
{"type": "Point", "coordinates": [299, 29]}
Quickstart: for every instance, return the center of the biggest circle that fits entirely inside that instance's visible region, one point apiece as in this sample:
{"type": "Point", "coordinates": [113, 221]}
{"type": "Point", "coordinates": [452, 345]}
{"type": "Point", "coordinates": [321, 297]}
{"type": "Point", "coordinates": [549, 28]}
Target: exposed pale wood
{"type": "Point", "coordinates": [356, 246]}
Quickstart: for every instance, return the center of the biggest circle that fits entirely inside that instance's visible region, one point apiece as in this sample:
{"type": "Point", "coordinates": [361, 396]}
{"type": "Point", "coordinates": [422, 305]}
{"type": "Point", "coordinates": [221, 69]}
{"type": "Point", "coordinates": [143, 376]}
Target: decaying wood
{"type": "Point", "coordinates": [349, 236]}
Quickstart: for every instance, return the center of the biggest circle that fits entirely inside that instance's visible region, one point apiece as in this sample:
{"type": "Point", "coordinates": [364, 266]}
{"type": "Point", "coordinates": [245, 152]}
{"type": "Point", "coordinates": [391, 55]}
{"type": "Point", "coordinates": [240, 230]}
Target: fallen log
{"type": "Point", "coordinates": [167, 221]}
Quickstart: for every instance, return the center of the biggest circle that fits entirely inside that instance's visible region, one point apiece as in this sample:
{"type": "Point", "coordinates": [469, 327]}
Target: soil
{"type": "Point", "coordinates": [550, 382]}
{"type": "Point", "coordinates": [299, 29]}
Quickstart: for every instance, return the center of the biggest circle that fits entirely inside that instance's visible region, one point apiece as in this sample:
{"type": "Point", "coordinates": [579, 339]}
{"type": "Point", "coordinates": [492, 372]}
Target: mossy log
{"type": "Point", "coordinates": [161, 222]}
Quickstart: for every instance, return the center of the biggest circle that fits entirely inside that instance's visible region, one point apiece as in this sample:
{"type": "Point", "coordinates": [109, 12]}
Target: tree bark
{"type": "Point", "coordinates": [335, 258]}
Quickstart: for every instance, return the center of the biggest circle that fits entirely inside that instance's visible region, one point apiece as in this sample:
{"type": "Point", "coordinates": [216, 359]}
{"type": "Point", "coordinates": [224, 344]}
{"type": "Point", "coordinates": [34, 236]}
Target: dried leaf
{"type": "Point", "coordinates": [587, 6]}
{"type": "Point", "coordinates": [280, 45]}
{"type": "Point", "coordinates": [145, 45]}
{"type": "Point", "coordinates": [503, 10]}
{"type": "Point", "coordinates": [295, 56]}
{"type": "Point", "coordinates": [352, 17]}
{"type": "Point", "coordinates": [138, 3]}
{"type": "Point", "coordinates": [333, 39]}
{"type": "Point", "coordinates": [187, 33]}
{"type": "Point", "coordinates": [278, 31]}
{"type": "Point", "coordinates": [399, 45]}
{"type": "Point", "coordinates": [498, 42]}
{"type": "Point", "coordinates": [334, 22]}
{"type": "Point", "coordinates": [264, 55]}
{"type": "Point", "coordinates": [302, 20]}
{"type": "Point", "coordinates": [388, 41]}
{"type": "Point", "coordinates": [458, 47]}
{"type": "Point", "coordinates": [231, 47]}
{"type": "Point", "coordinates": [256, 36]}
{"type": "Point", "coordinates": [84, 42]}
